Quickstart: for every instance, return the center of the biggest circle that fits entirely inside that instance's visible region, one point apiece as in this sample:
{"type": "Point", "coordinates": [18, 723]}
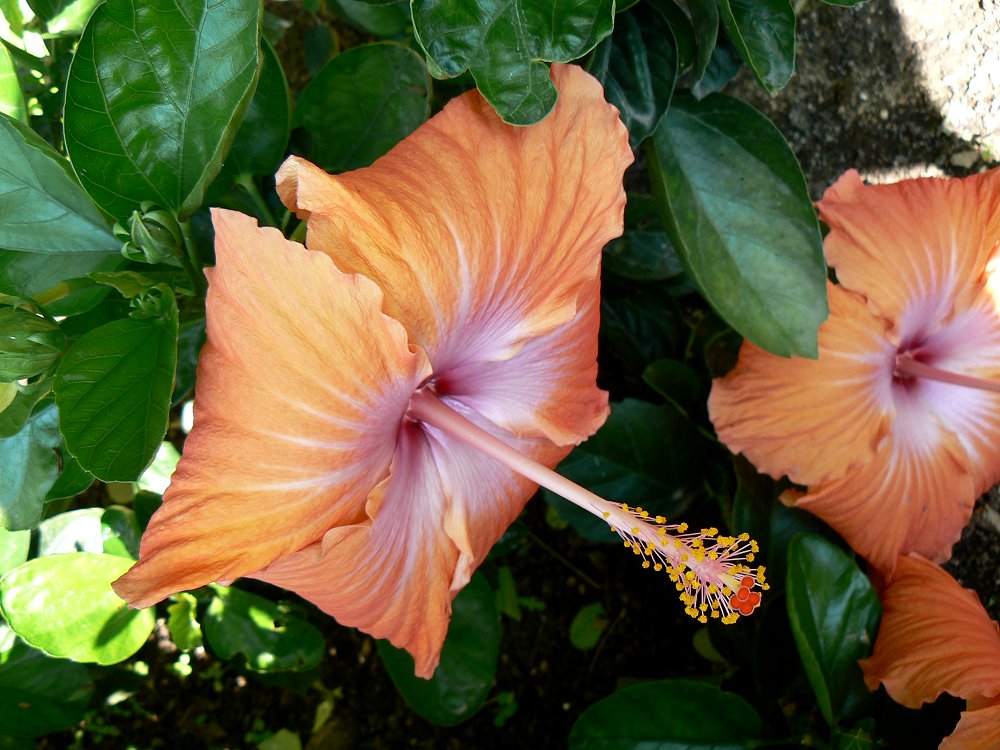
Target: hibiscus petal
{"type": "Point", "coordinates": [812, 420]}
{"type": "Point", "coordinates": [295, 414]}
{"type": "Point", "coordinates": [976, 730]}
{"type": "Point", "coordinates": [899, 244]}
{"type": "Point", "coordinates": [431, 523]}
{"type": "Point", "coordinates": [935, 637]}
{"type": "Point", "coordinates": [908, 498]}
{"type": "Point", "coordinates": [484, 236]}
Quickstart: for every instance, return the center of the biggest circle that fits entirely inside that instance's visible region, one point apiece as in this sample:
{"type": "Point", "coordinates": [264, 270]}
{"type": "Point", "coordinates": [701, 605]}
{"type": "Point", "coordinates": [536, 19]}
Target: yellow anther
{"type": "Point", "coordinates": [661, 519]}
{"type": "Point", "coordinates": [657, 567]}
{"type": "Point", "coordinates": [749, 556]}
{"type": "Point", "coordinates": [744, 537]}
{"type": "Point", "coordinates": [607, 514]}
{"type": "Point", "coordinates": [645, 563]}
{"type": "Point", "coordinates": [625, 506]}
{"type": "Point", "coordinates": [644, 514]}
{"type": "Point", "coordinates": [703, 619]}
{"type": "Point", "coordinates": [635, 531]}
{"type": "Point", "coordinates": [682, 528]}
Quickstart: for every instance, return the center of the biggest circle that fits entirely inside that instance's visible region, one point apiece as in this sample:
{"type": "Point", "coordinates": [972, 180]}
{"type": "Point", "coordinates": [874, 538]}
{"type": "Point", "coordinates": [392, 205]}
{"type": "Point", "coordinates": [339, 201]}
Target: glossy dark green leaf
{"type": "Point", "coordinates": [642, 256]}
{"type": "Point", "coordinates": [73, 478]}
{"type": "Point", "coordinates": [363, 103]}
{"type": "Point", "coordinates": [42, 207]}
{"type": "Point", "coordinates": [155, 95]}
{"type": "Point", "coordinates": [640, 326]}
{"type": "Point", "coordinates": [505, 45]}
{"type": "Point", "coordinates": [680, 26]}
{"type": "Point", "coordinates": [13, 548]}
{"type": "Point", "coordinates": [190, 339]}
{"type": "Point", "coordinates": [587, 626]}
{"type": "Point", "coordinates": [185, 630]}
{"type": "Point", "coordinates": [269, 637]}
{"type": "Point", "coordinates": [736, 207]}
{"type": "Point", "coordinates": [55, 281]}
{"type": "Point", "coordinates": [637, 65]}
{"type": "Point", "coordinates": [468, 664]}
{"type": "Point", "coordinates": [64, 605]}
{"type": "Point", "coordinates": [11, 98]}
{"type": "Point", "coordinates": [722, 68]}
{"type": "Point", "coordinates": [67, 17]}
{"type": "Point", "coordinates": [763, 32]}
{"type": "Point", "coordinates": [29, 466]}
{"type": "Point", "coordinates": [113, 389]}
{"type": "Point", "coordinates": [38, 694]}
{"type": "Point", "coordinates": [667, 715]}
{"type": "Point", "coordinates": [29, 344]}
{"type": "Point", "coordinates": [834, 612]}
{"type": "Point", "coordinates": [705, 22]}
{"type": "Point", "coordinates": [380, 19]}
{"type": "Point", "coordinates": [643, 455]}
{"type": "Point", "coordinates": [676, 382]}
{"type": "Point", "coordinates": [260, 143]}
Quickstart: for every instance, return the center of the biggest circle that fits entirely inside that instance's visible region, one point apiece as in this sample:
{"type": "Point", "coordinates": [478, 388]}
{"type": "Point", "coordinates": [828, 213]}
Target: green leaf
{"type": "Point", "coordinates": [845, 3]}
{"type": "Point", "coordinates": [185, 630]}
{"type": "Point", "coordinates": [13, 548]}
{"type": "Point", "coordinates": [271, 639]}
{"type": "Point", "coordinates": [705, 22]}
{"type": "Point", "coordinates": [260, 142]}
{"type": "Point", "coordinates": [380, 19]}
{"type": "Point", "coordinates": [11, 98]}
{"type": "Point", "coordinates": [120, 532]}
{"type": "Point", "coordinates": [16, 415]}
{"type": "Point", "coordinates": [667, 715]}
{"type": "Point", "coordinates": [73, 531]}
{"type": "Point", "coordinates": [722, 68]}
{"type": "Point", "coordinates": [637, 66]}
{"type": "Point", "coordinates": [29, 344]}
{"type": "Point", "coordinates": [29, 466]}
{"type": "Point", "coordinates": [42, 207]}
{"type": "Point", "coordinates": [505, 45]}
{"type": "Point", "coordinates": [640, 325]}
{"type": "Point", "coordinates": [763, 32]}
{"type": "Point", "coordinates": [464, 677]}
{"type": "Point", "coordinates": [38, 694]}
{"type": "Point", "coordinates": [362, 103]}
{"type": "Point", "coordinates": [66, 17]}
{"type": "Point", "coordinates": [53, 280]}
{"type": "Point", "coordinates": [157, 477]}
{"type": "Point", "coordinates": [642, 256]}
{"type": "Point", "coordinates": [677, 383]}
{"type": "Point", "coordinates": [834, 613]}
{"type": "Point", "coordinates": [73, 479]}
{"type": "Point", "coordinates": [64, 605]}
{"type": "Point", "coordinates": [588, 625]}
{"type": "Point", "coordinates": [736, 207]}
{"type": "Point", "coordinates": [155, 95]}
{"type": "Point", "coordinates": [113, 389]}
{"type": "Point", "coordinates": [190, 339]}
{"type": "Point", "coordinates": [644, 455]}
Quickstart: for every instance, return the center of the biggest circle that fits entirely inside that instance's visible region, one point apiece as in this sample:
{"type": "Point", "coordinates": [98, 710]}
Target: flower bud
{"type": "Point", "coordinates": [152, 236]}
{"type": "Point", "coordinates": [8, 392]}
{"type": "Point", "coordinates": [29, 344]}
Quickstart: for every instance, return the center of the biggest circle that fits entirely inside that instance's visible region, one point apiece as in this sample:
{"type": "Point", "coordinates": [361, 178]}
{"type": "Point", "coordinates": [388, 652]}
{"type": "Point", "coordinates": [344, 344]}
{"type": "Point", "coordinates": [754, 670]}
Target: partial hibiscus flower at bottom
{"type": "Point", "coordinates": [936, 638]}
{"type": "Point", "coordinates": [374, 409]}
{"type": "Point", "coordinates": [895, 429]}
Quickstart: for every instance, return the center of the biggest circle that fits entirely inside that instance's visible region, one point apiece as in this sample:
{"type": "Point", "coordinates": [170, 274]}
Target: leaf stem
{"type": "Point", "coordinates": [191, 259]}
{"type": "Point", "coordinates": [246, 182]}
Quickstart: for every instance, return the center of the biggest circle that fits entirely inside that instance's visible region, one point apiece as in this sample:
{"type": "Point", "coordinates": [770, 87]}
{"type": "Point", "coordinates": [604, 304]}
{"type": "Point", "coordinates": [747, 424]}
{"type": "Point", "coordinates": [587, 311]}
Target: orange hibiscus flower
{"type": "Point", "coordinates": [935, 638]}
{"type": "Point", "coordinates": [373, 410]}
{"type": "Point", "coordinates": [895, 428]}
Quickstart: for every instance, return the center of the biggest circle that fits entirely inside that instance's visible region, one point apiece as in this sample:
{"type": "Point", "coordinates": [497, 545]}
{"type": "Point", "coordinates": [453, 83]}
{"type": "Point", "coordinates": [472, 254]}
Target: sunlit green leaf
{"type": "Point", "coordinates": [11, 98]}
{"type": "Point", "coordinates": [362, 103]}
{"type": "Point", "coordinates": [269, 637]}
{"type": "Point", "coordinates": [185, 630]}
{"type": "Point", "coordinates": [64, 16]}
{"type": "Point", "coordinates": [506, 45]}
{"type": "Point", "coordinates": [468, 660]}
{"type": "Point", "coordinates": [42, 207]}
{"type": "Point", "coordinates": [16, 415]}
{"type": "Point", "coordinates": [667, 715]}
{"type": "Point", "coordinates": [73, 531]}
{"type": "Point", "coordinates": [835, 613]}
{"type": "Point", "coordinates": [113, 388]}
{"type": "Point", "coordinates": [120, 532]}
{"type": "Point", "coordinates": [157, 477]}
{"type": "Point", "coordinates": [763, 31]}
{"type": "Point", "coordinates": [64, 605]}
{"type": "Point", "coordinates": [13, 548]}
{"type": "Point", "coordinates": [155, 95]}
{"type": "Point", "coordinates": [735, 204]}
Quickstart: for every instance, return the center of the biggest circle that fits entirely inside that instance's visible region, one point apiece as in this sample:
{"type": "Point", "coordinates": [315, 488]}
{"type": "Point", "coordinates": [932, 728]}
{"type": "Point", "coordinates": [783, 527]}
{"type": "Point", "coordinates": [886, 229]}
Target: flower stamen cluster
{"type": "Point", "coordinates": [708, 569]}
